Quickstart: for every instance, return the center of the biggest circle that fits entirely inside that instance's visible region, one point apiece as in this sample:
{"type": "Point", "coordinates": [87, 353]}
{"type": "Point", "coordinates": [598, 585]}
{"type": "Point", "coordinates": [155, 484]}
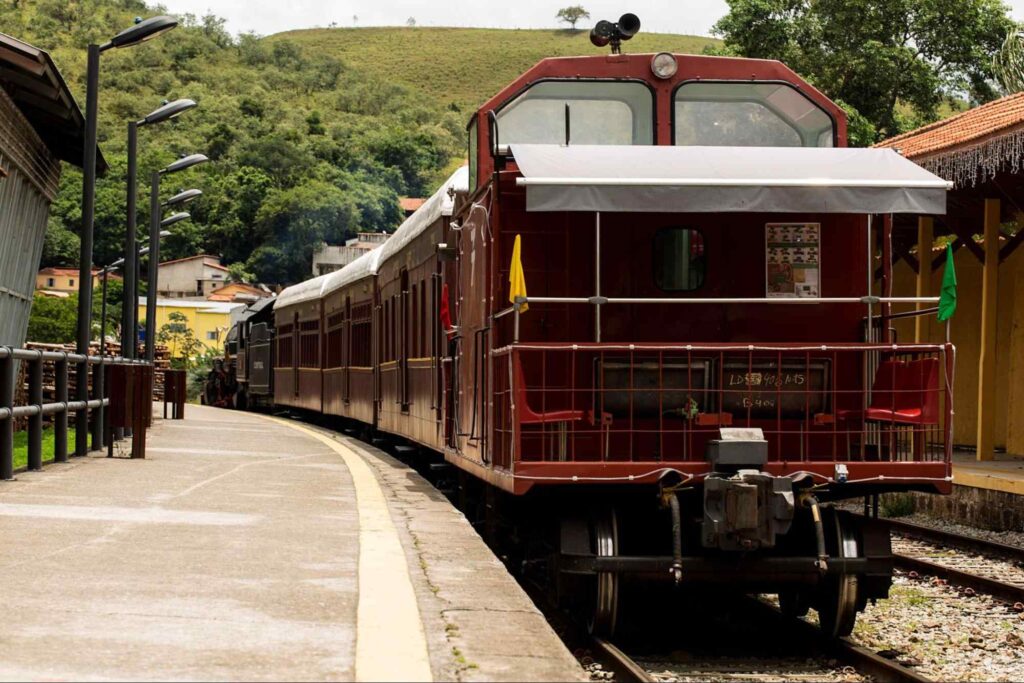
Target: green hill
{"type": "Point", "coordinates": [312, 135]}
{"type": "Point", "coordinates": [464, 66]}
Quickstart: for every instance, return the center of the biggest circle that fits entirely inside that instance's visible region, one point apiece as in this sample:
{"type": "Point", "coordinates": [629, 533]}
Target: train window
{"type": "Point", "coordinates": [599, 113]}
{"type": "Point", "coordinates": [424, 351]}
{"type": "Point", "coordinates": [679, 261]}
{"type": "Point", "coordinates": [413, 334]}
{"type": "Point", "coordinates": [474, 144]}
{"type": "Point", "coordinates": [749, 115]}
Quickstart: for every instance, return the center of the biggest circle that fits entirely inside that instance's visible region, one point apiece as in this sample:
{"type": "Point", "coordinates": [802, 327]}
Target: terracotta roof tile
{"type": "Point", "coordinates": [972, 126]}
{"type": "Point", "coordinates": [411, 203]}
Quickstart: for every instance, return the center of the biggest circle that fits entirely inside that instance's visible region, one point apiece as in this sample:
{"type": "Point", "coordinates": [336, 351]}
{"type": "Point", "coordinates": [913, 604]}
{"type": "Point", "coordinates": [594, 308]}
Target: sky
{"type": "Point", "coordinates": [272, 16]}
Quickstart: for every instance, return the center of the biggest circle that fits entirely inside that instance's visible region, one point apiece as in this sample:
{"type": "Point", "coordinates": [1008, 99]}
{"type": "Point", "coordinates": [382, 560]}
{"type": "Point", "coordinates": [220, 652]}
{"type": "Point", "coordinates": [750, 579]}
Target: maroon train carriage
{"type": "Point", "coordinates": [699, 360]}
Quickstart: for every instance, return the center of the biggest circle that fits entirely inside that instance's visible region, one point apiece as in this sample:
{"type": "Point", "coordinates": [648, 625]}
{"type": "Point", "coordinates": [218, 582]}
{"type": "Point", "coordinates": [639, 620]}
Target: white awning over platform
{"type": "Point", "coordinates": [714, 179]}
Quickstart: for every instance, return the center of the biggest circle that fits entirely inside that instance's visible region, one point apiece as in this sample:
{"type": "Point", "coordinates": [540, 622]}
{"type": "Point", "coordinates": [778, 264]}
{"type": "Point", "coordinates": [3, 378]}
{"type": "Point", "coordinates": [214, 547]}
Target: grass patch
{"type": "Point", "coordinates": [897, 505]}
{"type": "Point", "coordinates": [461, 68]}
{"type": "Point", "coordinates": [910, 595]}
{"type": "Point", "coordinates": [21, 446]}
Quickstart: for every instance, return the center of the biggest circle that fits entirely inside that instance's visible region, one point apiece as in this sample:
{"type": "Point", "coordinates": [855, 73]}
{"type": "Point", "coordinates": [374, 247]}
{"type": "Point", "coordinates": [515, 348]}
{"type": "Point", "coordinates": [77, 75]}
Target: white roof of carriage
{"type": "Point", "coordinates": [302, 292]}
{"type": "Point", "coordinates": [717, 179]}
{"type": "Point", "coordinates": [364, 266]}
{"type": "Point", "coordinates": [441, 203]}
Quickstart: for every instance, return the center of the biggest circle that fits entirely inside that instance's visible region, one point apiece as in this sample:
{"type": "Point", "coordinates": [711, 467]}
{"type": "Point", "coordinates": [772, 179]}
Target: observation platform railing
{"type": "Point", "coordinates": [818, 405]}
{"type": "Point", "coordinates": [125, 407]}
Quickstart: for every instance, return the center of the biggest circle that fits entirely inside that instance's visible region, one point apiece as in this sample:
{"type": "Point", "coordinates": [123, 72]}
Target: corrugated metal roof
{"type": "Point", "coordinates": [36, 86]}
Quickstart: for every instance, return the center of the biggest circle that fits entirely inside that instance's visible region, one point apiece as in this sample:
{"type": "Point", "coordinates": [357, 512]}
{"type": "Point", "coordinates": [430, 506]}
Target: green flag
{"type": "Point", "coordinates": [947, 299]}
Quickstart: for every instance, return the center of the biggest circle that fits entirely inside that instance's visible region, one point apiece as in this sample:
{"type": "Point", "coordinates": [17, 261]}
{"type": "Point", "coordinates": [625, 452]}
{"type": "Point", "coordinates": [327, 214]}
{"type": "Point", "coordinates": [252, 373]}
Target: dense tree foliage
{"type": "Point", "coordinates": [53, 320]}
{"type": "Point", "coordinates": [893, 62]}
{"type": "Point", "coordinates": [303, 147]}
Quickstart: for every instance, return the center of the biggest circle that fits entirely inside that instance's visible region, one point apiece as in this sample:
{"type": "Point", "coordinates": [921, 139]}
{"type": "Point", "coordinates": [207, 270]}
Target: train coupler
{"type": "Point", "coordinates": [744, 507]}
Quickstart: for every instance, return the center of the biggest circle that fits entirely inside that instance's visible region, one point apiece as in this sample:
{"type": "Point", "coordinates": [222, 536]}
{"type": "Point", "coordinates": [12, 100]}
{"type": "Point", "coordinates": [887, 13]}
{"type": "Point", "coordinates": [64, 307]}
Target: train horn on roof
{"type": "Point", "coordinates": [605, 32]}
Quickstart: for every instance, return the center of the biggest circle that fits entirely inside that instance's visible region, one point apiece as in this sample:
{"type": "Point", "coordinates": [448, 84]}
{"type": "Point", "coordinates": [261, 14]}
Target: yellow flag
{"type": "Point", "coordinates": [516, 278]}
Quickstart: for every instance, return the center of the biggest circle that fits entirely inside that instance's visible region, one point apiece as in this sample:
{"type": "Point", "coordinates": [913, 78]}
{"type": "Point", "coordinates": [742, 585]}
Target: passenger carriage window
{"type": "Point", "coordinates": [749, 115]}
{"type": "Point", "coordinates": [600, 113]}
{"type": "Point", "coordinates": [679, 261]}
{"type": "Point", "coordinates": [473, 146]}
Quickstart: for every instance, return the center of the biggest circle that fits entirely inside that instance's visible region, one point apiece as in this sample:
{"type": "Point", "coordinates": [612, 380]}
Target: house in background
{"type": "Point", "coordinates": [40, 126]}
{"type": "Point", "coordinates": [328, 258]}
{"type": "Point", "coordinates": [208, 320]}
{"type": "Point", "coordinates": [239, 292]}
{"type": "Point", "coordinates": [195, 277]}
{"type": "Point", "coordinates": [410, 204]}
{"type": "Point", "coordinates": [66, 279]}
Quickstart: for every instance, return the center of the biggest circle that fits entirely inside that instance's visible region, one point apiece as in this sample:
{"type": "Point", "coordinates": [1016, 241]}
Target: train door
{"type": "Point", "coordinates": [404, 336]}
{"type": "Point", "coordinates": [346, 350]}
{"type": "Point", "coordinates": [296, 346]}
{"type": "Point", "coordinates": [474, 337]}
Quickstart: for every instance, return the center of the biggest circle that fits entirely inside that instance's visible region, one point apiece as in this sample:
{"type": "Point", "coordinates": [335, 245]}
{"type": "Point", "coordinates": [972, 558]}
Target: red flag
{"type": "Point", "coordinates": [446, 316]}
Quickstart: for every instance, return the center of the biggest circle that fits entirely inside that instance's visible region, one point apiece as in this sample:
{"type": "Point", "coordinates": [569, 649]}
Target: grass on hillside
{"type": "Point", "coordinates": [466, 66]}
{"type": "Point", "coordinates": [21, 446]}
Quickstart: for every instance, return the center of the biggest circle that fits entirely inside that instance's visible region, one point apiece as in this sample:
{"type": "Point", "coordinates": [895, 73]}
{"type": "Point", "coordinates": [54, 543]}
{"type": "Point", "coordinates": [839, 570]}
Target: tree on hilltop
{"type": "Point", "coordinates": [571, 15]}
{"type": "Point", "coordinates": [893, 61]}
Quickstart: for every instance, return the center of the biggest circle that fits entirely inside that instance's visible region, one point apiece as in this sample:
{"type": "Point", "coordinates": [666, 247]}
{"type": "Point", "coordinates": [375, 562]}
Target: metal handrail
{"type": "Point", "coordinates": [35, 408]}
{"type": "Point", "coordinates": [601, 300]}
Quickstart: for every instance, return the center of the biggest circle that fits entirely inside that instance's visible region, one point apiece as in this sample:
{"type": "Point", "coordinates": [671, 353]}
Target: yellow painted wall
{"type": "Point", "coordinates": [201, 323]}
{"type": "Point", "coordinates": [63, 283]}
{"type": "Point", "coordinates": [966, 335]}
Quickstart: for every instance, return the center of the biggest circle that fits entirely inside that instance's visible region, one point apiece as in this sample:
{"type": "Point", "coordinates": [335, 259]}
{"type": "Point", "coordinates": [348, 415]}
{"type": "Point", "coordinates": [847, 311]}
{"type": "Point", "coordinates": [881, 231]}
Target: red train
{"type": "Point", "coordinates": [644, 323]}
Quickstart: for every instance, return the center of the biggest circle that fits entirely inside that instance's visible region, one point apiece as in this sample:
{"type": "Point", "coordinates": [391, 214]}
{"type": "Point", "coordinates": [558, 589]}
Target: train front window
{"type": "Point", "coordinates": [679, 263]}
{"type": "Point", "coordinates": [596, 112]}
{"type": "Point", "coordinates": [749, 115]}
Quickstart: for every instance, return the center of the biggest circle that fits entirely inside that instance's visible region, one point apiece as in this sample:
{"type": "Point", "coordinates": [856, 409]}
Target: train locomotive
{"type": "Point", "coordinates": [645, 322]}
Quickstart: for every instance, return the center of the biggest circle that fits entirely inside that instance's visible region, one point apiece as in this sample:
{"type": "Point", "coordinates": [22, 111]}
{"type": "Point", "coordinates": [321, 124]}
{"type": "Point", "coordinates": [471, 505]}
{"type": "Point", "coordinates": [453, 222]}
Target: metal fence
{"type": "Point", "coordinates": [131, 381]}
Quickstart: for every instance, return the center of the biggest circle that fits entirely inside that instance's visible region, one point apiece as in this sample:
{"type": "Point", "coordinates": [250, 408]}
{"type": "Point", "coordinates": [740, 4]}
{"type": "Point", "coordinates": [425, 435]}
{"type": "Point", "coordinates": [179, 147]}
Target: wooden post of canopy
{"type": "Point", "coordinates": [925, 238]}
{"type": "Point", "coordinates": [886, 308]}
{"type": "Point", "coordinates": [987, 360]}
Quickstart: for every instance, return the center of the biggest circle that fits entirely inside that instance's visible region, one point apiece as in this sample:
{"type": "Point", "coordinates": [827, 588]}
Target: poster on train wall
{"type": "Point", "coordinates": [792, 254]}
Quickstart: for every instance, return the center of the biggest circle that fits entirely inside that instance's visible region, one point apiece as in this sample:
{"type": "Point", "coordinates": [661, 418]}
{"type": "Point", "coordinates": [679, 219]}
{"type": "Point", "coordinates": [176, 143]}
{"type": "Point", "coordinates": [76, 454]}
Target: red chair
{"type": "Point", "coordinates": [903, 393]}
{"type": "Point", "coordinates": [562, 418]}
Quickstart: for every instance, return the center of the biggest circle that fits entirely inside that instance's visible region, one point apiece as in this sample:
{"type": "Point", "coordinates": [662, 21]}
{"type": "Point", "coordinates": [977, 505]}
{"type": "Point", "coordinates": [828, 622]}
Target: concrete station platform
{"type": "Point", "coordinates": [251, 548]}
{"type": "Point", "coordinates": [986, 493]}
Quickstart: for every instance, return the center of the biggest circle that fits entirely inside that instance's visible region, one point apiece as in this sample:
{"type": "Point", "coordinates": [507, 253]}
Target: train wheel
{"type": "Point", "coordinates": [604, 529]}
{"type": "Point", "coordinates": [794, 602]}
{"type": "Point", "coordinates": [837, 602]}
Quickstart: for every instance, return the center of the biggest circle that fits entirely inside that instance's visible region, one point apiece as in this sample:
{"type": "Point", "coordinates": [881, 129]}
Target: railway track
{"type": "Point", "coordinates": [856, 662]}
{"type": "Point", "coordinates": [999, 571]}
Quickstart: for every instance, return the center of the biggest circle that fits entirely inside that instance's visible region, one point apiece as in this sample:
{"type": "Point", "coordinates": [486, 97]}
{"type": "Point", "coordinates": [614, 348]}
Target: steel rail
{"type": "Point", "coordinates": [1008, 592]}
{"type": "Point", "coordinates": [624, 668]}
{"type": "Point", "coordinates": [1002, 590]}
{"type": "Point", "coordinates": [955, 540]}
{"type": "Point", "coordinates": [864, 660]}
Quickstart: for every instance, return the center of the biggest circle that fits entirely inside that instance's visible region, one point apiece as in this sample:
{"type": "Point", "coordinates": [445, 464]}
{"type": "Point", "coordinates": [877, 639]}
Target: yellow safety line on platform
{"type": "Point", "coordinates": [390, 643]}
{"type": "Point", "coordinates": [965, 475]}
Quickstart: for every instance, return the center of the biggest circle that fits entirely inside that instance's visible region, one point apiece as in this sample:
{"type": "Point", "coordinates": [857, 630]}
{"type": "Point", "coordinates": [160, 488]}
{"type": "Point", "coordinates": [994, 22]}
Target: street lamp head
{"type": "Point", "coordinates": [185, 162]}
{"type": "Point", "coordinates": [183, 197]}
{"type": "Point", "coordinates": [142, 31]}
{"type": "Point", "coordinates": [175, 218]}
{"type": "Point", "coordinates": [165, 233]}
{"type": "Point", "coordinates": [168, 111]}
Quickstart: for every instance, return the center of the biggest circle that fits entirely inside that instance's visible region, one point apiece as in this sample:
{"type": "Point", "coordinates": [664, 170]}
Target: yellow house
{"type": "Point", "coordinates": [65, 279]}
{"type": "Point", "coordinates": [208, 320]}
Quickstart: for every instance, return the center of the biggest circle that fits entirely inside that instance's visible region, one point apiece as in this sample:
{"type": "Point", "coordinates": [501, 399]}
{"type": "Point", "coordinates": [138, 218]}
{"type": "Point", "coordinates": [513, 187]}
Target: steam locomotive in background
{"type": "Point", "coordinates": [643, 323]}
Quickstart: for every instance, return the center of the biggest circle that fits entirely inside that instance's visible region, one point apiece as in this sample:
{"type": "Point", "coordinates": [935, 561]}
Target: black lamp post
{"type": "Point", "coordinates": [155, 223]}
{"type": "Point", "coordinates": [140, 32]}
{"type": "Point", "coordinates": [126, 301]}
{"type": "Point", "coordinates": [129, 316]}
